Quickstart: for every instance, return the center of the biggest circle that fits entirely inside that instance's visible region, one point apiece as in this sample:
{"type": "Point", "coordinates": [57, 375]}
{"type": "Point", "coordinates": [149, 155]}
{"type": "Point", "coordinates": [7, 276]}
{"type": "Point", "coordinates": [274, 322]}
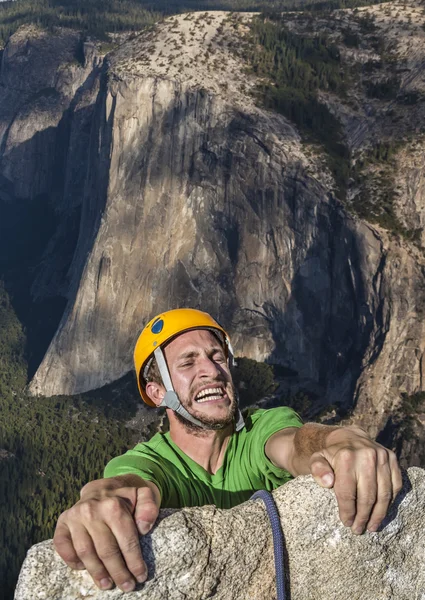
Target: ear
{"type": "Point", "coordinates": [155, 391]}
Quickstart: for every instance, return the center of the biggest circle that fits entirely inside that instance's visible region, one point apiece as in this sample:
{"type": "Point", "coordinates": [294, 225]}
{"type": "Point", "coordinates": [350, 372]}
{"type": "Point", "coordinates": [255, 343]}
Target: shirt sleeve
{"type": "Point", "coordinates": [135, 463]}
{"type": "Point", "coordinates": [264, 426]}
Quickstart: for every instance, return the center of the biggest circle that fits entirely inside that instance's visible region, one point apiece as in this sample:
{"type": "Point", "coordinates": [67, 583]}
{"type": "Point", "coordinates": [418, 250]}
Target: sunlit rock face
{"type": "Point", "coordinates": [227, 554]}
{"type": "Point", "coordinates": [172, 188]}
{"type": "Point", "coordinates": [196, 203]}
{"type": "Point", "coordinates": [193, 198]}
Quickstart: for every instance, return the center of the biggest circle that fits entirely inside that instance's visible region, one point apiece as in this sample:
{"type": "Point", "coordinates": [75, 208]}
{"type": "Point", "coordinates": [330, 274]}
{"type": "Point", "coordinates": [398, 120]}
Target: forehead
{"type": "Point", "coordinates": [191, 341]}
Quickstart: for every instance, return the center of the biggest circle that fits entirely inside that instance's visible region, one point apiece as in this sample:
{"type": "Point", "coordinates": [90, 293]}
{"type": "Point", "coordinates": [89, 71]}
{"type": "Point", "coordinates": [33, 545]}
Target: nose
{"type": "Point", "coordinates": [209, 368]}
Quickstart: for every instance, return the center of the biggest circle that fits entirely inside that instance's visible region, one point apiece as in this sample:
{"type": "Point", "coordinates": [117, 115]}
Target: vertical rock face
{"type": "Point", "coordinates": [48, 89]}
{"type": "Point", "coordinates": [171, 188]}
{"type": "Point", "coordinates": [203, 204]}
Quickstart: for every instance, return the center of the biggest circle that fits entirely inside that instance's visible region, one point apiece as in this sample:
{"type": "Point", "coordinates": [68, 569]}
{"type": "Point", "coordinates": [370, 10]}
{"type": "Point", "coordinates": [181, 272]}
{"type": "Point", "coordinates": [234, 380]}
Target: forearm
{"type": "Point", "coordinates": [308, 439]}
{"type": "Point", "coordinates": [292, 449]}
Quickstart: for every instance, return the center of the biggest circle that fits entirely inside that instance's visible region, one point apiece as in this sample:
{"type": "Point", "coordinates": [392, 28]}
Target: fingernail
{"type": "Point", "coordinates": [105, 583]}
{"type": "Point", "coordinates": [358, 530]}
{"type": "Point", "coordinates": [348, 523]}
{"type": "Point", "coordinates": [144, 527]}
{"type": "Point", "coordinates": [141, 578]}
{"type": "Point", "coordinates": [327, 479]}
{"type": "Point", "coordinates": [127, 586]}
{"type": "Point", "coordinates": [373, 528]}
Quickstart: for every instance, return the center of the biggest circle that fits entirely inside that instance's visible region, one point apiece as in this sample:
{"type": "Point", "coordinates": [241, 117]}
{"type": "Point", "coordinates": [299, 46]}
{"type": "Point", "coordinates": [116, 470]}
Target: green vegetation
{"type": "Point", "coordinates": [414, 404]}
{"type": "Point", "coordinates": [101, 17]}
{"type": "Point", "coordinates": [297, 71]}
{"type": "Point", "coordinates": [294, 69]}
{"type": "Point", "coordinates": [96, 17]}
{"type": "Point", "coordinates": [49, 448]}
{"type": "Point", "coordinates": [253, 380]}
{"type": "Point", "coordinates": [404, 430]}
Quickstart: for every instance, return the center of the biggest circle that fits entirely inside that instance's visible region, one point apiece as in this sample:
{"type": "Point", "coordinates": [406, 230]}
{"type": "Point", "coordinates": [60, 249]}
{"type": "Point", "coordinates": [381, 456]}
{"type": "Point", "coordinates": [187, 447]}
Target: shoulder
{"type": "Point", "coordinates": [152, 446]}
{"type": "Point", "coordinates": [272, 419]}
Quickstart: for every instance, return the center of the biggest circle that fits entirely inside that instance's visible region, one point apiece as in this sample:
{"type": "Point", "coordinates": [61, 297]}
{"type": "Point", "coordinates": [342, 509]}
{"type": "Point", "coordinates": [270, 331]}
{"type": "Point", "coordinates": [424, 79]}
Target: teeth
{"type": "Point", "coordinates": [209, 394]}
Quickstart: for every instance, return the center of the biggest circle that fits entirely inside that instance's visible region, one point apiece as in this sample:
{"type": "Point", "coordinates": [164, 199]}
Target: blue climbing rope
{"type": "Point", "coordinates": [277, 540]}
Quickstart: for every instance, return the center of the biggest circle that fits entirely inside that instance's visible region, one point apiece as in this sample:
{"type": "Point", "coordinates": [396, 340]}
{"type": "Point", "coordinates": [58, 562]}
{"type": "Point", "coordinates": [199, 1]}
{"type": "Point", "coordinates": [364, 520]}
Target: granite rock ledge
{"type": "Point", "coordinates": [201, 553]}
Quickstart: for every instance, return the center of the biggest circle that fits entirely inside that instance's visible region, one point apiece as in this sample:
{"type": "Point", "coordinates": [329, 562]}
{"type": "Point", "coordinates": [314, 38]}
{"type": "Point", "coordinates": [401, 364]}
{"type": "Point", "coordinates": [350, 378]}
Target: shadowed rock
{"type": "Point", "coordinates": [201, 553]}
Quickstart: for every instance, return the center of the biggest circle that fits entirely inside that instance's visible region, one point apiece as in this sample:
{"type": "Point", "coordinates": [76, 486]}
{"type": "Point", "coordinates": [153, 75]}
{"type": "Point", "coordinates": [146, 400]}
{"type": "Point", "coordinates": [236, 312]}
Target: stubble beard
{"type": "Point", "coordinates": [209, 423]}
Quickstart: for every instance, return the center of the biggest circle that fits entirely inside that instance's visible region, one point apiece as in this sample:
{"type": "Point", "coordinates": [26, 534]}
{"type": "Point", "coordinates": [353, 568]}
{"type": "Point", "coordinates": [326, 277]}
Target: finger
{"type": "Point", "coordinates": [147, 509]}
{"type": "Point", "coordinates": [106, 552]}
{"type": "Point", "coordinates": [384, 491]}
{"type": "Point", "coordinates": [87, 554]}
{"type": "Point", "coordinates": [322, 470]}
{"type": "Point", "coordinates": [62, 542]}
{"type": "Point", "coordinates": [345, 487]}
{"type": "Point", "coordinates": [396, 477]}
{"type": "Point", "coordinates": [367, 488]}
{"type": "Point", "coordinates": [127, 537]}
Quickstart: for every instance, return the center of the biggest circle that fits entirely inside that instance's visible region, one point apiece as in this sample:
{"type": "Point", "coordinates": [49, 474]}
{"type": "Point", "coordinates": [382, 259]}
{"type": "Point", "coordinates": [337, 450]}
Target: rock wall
{"type": "Point", "coordinates": [212, 207]}
{"type": "Point", "coordinates": [205, 552]}
{"type": "Point", "coordinates": [171, 188]}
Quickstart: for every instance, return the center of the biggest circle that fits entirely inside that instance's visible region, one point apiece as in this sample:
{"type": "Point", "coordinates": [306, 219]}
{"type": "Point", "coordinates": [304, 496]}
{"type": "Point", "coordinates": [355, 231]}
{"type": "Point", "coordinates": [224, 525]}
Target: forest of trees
{"type": "Point", "coordinates": [49, 448]}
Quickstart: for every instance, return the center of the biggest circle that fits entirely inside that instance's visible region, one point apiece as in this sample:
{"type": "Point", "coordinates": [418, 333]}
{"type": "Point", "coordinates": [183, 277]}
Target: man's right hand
{"type": "Point", "coordinates": [101, 532]}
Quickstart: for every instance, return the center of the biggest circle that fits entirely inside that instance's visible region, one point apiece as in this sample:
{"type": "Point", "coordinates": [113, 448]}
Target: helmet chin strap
{"type": "Point", "coordinates": [171, 399]}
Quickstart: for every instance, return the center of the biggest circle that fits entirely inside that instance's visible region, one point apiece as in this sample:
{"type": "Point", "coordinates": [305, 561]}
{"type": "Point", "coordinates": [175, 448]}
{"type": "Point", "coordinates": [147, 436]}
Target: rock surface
{"type": "Point", "coordinates": [200, 553]}
{"type": "Point", "coordinates": [171, 187]}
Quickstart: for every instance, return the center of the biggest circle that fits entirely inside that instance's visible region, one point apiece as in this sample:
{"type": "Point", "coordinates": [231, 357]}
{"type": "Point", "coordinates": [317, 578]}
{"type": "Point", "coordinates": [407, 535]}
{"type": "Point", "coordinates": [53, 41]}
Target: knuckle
{"type": "Point", "coordinates": [346, 497]}
{"type": "Point", "coordinates": [346, 454]}
{"type": "Point", "coordinates": [108, 553]}
{"type": "Point", "coordinates": [385, 496]}
{"type": "Point", "coordinates": [369, 454]}
{"type": "Point", "coordinates": [139, 569]}
{"type": "Point", "coordinates": [98, 573]}
{"type": "Point", "coordinates": [87, 509]}
{"type": "Point", "coordinates": [84, 552]}
{"type": "Point", "coordinates": [113, 505]}
{"type": "Point", "coordinates": [130, 545]}
{"type": "Point", "coordinates": [66, 554]}
{"type": "Point", "coordinates": [383, 457]}
{"type": "Point", "coordinates": [366, 500]}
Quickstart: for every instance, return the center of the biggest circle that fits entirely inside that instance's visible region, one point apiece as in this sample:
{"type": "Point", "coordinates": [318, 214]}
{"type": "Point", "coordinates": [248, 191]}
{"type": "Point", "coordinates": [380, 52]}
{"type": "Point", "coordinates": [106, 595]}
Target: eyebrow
{"type": "Point", "coordinates": [193, 353]}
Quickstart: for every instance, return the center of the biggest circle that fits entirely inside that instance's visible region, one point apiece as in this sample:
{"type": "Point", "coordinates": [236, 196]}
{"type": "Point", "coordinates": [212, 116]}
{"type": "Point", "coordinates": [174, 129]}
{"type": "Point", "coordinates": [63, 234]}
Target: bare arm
{"type": "Point", "coordinates": [101, 532]}
{"type": "Point", "coordinates": [365, 475]}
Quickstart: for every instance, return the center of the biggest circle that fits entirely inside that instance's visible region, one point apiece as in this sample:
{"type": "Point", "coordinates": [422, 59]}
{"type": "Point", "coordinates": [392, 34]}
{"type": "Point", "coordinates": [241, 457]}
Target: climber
{"type": "Point", "coordinates": [183, 362]}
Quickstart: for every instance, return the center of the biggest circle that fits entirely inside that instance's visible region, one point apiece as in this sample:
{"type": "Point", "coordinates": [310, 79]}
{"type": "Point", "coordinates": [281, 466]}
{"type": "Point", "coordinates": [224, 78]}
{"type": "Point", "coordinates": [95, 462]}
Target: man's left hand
{"type": "Point", "coordinates": [364, 475]}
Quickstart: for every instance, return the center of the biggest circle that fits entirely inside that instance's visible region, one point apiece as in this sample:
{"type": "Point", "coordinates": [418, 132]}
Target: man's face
{"type": "Point", "coordinates": [201, 378]}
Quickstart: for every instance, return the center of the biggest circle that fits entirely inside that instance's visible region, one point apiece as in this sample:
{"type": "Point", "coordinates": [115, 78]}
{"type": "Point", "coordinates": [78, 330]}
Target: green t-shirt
{"type": "Point", "coordinates": [182, 482]}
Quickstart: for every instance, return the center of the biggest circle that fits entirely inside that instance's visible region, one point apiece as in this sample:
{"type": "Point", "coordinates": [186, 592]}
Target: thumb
{"type": "Point", "coordinates": [322, 471]}
{"type": "Point", "coordinates": [146, 510]}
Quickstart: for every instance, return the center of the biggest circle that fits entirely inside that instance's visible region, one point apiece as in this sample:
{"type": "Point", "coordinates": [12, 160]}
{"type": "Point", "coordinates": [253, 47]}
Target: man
{"type": "Point", "coordinates": [210, 455]}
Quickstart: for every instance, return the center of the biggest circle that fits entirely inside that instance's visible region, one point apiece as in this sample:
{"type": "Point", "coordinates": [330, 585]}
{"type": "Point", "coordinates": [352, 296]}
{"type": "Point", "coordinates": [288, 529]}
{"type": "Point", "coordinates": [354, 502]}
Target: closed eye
{"type": "Point", "coordinates": [186, 364]}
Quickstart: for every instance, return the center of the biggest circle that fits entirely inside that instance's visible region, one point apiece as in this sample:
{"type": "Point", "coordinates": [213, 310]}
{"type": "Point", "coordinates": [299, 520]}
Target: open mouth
{"type": "Point", "coordinates": [209, 394]}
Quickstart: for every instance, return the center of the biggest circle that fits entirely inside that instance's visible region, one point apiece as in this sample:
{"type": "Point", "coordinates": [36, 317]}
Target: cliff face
{"type": "Point", "coordinates": [176, 190]}
{"type": "Point", "coordinates": [209, 204]}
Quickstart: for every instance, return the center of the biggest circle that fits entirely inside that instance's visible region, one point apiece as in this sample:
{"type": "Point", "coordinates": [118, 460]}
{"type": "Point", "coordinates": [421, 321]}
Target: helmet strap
{"type": "Point", "coordinates": [171, 399]}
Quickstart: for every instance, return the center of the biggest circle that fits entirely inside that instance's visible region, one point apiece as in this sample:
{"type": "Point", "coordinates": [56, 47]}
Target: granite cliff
{"type": "Point", "coordinates": [171, 186]}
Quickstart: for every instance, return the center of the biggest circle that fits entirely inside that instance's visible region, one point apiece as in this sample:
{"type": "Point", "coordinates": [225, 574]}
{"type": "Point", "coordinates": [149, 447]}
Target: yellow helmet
{"type": "Point", "coordinates": [162, 328]}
